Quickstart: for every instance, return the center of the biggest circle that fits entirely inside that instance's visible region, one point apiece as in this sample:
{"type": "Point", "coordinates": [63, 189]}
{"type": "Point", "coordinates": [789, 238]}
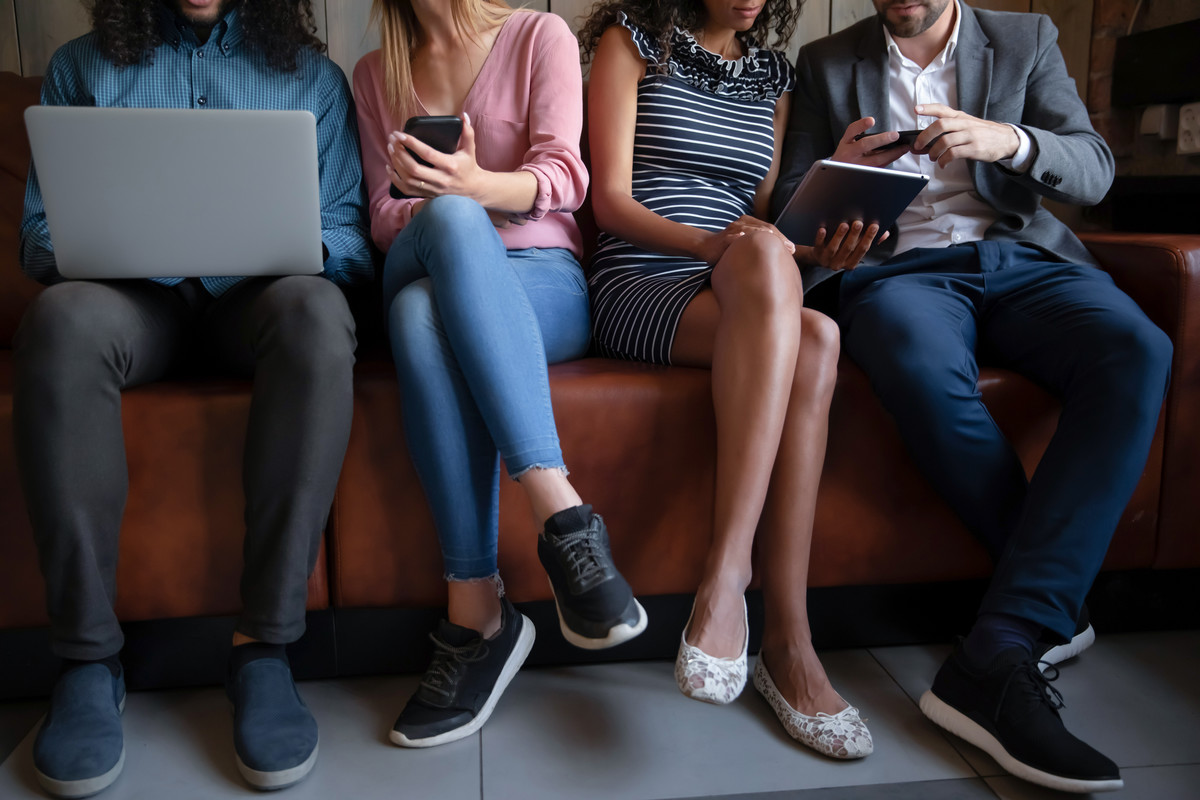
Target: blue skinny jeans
{"type": "Point", "coordinates": [472, 328]}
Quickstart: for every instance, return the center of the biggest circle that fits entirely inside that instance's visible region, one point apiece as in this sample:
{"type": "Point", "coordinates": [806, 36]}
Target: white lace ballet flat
{"type": "Point", "coordinates": [840, 735]}
{"type": "Point", "coordinates": [707, 678]}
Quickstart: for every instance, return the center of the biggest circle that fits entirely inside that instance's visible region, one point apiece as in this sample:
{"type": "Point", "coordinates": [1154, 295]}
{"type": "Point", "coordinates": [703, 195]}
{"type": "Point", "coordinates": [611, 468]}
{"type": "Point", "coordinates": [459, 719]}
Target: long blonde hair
{"type": "Point", "coordinates": [400, 35]}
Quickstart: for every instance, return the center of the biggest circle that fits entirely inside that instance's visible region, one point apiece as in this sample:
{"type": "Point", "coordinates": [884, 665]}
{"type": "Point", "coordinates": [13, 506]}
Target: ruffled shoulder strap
{"type": "Point", "coordinates": [647, 46]}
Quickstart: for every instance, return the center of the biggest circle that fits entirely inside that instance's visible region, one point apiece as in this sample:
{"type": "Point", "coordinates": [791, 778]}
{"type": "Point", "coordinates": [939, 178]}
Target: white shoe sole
{"type": "Point", "coordinates": [1080, 642]}
{"type": "Point", "coordinates": [83, 788]}
{"type": "Point", "coordinates": [946, 716]}
{"type": "Point", "coordinates": [88, 786]}
{"type": "Point", "coordinates": [281, 779]}
{"type": "Point", "coordinates": [617, 634]}
{"type": "Point", "coordinates": [511, 667]}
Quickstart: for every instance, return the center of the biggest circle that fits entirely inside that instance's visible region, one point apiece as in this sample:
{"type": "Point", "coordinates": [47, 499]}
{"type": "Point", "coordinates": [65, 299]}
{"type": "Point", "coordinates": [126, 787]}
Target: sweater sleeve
{"type": "Point", "coordinates": [388, 215]}
{"type": "Point", "coordinates": [556, 122]}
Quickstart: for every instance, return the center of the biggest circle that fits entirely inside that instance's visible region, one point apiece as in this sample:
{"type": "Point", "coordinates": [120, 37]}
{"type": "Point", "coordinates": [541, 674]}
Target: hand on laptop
{"type": "Point", "coordinates": [865, 150]}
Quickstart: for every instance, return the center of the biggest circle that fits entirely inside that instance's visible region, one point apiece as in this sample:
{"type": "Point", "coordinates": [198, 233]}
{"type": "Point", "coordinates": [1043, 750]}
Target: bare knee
{"type": "Point", "coordinates": [817, 358]}
{"type": "Point", "coordinates": [758, 276]}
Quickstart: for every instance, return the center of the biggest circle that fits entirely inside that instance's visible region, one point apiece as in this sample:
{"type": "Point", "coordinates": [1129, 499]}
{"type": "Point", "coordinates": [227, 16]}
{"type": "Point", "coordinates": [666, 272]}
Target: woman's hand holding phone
{"type": "Point", "coordinates": [443, 173]}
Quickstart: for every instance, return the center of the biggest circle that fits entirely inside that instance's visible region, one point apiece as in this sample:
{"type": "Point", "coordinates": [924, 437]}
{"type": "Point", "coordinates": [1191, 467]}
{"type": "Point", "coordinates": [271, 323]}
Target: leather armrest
{"type": "Point", "coordinates": [1161, 272]}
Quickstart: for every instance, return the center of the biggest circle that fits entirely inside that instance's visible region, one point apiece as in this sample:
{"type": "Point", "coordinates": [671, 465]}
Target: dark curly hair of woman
{"type": "Point", "coordinates": [127, 30]}
{"type": "Point", "coordinates": [659, 18]}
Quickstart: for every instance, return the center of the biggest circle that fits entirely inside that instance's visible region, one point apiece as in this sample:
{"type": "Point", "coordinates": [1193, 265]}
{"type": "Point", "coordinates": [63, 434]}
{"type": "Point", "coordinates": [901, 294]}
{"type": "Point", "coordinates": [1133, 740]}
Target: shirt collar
{"type": "Point", "coordinates": [947, 52]}
{"type": "Point", "coordinates": [227, 33]}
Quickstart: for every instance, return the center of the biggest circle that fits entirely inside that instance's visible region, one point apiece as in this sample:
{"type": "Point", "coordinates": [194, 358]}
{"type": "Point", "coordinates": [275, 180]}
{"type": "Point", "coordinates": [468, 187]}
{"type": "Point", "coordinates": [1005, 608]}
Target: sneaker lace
{"type": "Point", "coordinates": [447, 665]}
{"type": "Point", "coordinates": [1033, 683]}
{"type": "Point", "coordinates": [584, 553]}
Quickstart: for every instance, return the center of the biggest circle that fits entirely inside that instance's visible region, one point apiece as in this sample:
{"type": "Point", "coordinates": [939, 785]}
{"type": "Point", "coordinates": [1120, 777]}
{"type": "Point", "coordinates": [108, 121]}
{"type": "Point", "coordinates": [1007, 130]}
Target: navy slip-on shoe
{"type": "Point", "coordinates": [274, 733]}
{"type": "Point", "coordinates": [80, 749]}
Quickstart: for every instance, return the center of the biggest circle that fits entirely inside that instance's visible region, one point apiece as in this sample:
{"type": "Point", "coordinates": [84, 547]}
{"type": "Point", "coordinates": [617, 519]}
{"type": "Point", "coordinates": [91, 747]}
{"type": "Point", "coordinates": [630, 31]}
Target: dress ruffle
{"type": "Point", "coordinates": [760, 74]}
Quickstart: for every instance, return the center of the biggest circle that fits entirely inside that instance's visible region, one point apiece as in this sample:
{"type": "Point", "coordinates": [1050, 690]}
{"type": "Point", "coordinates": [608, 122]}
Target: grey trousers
{"type": "Point", "coordinates": [82, 342]}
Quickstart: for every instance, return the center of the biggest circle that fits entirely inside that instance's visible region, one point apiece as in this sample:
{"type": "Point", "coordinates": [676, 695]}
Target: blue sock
{"type": "Point", "coordinates": [995, 633]}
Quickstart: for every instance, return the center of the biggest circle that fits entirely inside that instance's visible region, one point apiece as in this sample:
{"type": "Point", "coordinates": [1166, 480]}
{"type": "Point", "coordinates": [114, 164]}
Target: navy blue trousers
{"type": "Point", "coordinates": [916, 325]}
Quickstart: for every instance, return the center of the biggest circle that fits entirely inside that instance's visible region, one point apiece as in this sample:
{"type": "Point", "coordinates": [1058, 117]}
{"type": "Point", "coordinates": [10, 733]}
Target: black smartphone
{"type": "Point", "coordinates": [906, 139]}
{"type": "Point", "coordinates": [440, 133]}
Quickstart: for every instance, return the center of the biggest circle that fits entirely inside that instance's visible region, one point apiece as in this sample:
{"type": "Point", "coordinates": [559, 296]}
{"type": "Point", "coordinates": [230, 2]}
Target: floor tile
{"type": "Point", "coordinates": [625, 731]}
{"type": "Point", "coordinates": [968, 789]}
{"type": "Point", "coordinates": [1180, 782]}
{"type": "Point", "coordinates": [16, 720]}
{"type": "Point", "coordinates": [178, 745]}
{"type": "Point", "coordinates": [1133, 697]}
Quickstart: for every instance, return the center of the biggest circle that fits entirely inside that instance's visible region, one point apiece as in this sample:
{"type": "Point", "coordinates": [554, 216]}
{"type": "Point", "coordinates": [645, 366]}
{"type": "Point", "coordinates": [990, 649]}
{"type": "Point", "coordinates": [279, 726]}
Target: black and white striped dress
{"type": "Point", "coordinates": [703, 143]}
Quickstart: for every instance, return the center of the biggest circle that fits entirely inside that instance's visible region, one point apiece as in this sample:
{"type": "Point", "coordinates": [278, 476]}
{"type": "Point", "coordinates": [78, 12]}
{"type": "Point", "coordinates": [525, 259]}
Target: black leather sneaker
{"type": "Point", "coordinates": [464, 681]}
{"type": "Point", "coordinates": [1047, 652]}
{"type": "Point", "coordinates": [596, 607]}
{"type": "Point", "coordinates": [1010, 711]}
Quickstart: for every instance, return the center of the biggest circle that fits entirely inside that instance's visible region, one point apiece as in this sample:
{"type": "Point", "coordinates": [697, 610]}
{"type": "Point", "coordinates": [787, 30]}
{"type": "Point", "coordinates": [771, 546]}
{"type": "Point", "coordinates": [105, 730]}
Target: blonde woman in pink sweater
{"type": "Point", "coordinates": [483, 288]}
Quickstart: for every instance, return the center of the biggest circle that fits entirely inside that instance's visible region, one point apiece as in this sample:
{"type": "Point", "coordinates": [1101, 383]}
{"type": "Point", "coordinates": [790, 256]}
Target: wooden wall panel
{"type": "Point", "coordinates": [1074, 21]}
{"type": "Point", "coordinates": [44, 25]}
{"type": "Point", "coordinates": [814, 24]}
{"type": "Point", "coordinates": [1002, 5]}
{"type": "Point", "coordinates": [573, 11]}
{"type": "Point", "coordinates": [847, 12]}
{"type": "Point", "coordinates": [349, 37]}
{"type": "Point", "coordinates": [10, 49]}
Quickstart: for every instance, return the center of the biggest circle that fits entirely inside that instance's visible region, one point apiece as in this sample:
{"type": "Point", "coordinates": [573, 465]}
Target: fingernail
{"type": "Point", "coordinates": [401, 137]}
{"type": "Point", "coordinates": [391, 148]}
{"type": "Point", "coordinates": [920, 109]}
{"type": "Point", "coordinates": [466, 118]}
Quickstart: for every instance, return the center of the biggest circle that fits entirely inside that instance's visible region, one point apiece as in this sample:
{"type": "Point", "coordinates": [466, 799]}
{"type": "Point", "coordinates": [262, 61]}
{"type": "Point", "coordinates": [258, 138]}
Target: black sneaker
{"type": "Point", "coordinates": [596, 607]}
{"type": "Point", "coordinates": [1010, 711]}
{"type": "Point", "coordinates": [465, 679]}
{"type": "Point", "coordinates": [1047, 652]}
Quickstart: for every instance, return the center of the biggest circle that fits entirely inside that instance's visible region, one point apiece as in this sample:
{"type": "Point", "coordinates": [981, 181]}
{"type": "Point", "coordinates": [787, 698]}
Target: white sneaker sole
{"type": "Point", "coordinates": [281, 779]}
{"type": "Point", "coordinates": [88, 786]}
{"type": "Point", "coordinates": [1080, 642]}
{"type": "Point", "coordinates": [511, 667]}
{"type": "Point", "coordinates": [617, 634]}
{"type": "Point", "coordinates": [946, 716]}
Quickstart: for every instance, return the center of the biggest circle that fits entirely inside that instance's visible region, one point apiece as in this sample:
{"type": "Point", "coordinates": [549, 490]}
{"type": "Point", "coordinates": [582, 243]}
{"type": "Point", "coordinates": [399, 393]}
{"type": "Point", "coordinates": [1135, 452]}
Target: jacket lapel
{"type": "Point", "coordinates": [974, 58]}
{"type": "Point", "coordinates": [870, 78]}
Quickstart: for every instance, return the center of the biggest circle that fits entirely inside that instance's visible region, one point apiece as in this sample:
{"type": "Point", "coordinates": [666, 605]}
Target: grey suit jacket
{"type": "Point", "coordinates": [1009, 70]}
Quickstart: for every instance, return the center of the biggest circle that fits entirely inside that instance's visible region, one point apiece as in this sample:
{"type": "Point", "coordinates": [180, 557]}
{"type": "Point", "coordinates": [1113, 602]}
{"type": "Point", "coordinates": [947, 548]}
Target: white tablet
{"type": "Point", "coordinates": [154, 192]}
{"type": "Point", "coordinates": [833, 192]}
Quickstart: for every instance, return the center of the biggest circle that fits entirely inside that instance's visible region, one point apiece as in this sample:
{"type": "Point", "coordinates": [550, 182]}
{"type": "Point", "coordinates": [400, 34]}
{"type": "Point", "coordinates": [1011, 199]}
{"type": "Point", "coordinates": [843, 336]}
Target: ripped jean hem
{"type": "Point", "coordinates": [494, 578]}
{"type": "Point", "coordinates": [516, 476]}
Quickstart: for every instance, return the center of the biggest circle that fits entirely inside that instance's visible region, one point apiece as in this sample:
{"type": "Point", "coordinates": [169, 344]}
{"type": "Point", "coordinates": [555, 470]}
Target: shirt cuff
{"type": "Point", "coordinates": [541, 202]}
{"type": "Point", "coordinates": [1021, 161]}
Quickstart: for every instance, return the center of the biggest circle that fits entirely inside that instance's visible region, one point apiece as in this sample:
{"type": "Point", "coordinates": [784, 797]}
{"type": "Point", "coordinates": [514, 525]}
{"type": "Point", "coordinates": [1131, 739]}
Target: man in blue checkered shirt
{"type": "Point", "coordinates": [82, 342]}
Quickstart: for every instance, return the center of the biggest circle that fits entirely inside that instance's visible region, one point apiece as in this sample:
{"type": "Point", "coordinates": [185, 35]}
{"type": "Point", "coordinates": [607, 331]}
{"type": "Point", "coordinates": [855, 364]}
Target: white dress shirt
{"type": "Point", "coordinates": [947, 211]}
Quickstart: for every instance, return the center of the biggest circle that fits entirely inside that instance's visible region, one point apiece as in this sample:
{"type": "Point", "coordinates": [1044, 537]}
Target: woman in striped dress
{"type": "Point", "coordinates": [684, 158]}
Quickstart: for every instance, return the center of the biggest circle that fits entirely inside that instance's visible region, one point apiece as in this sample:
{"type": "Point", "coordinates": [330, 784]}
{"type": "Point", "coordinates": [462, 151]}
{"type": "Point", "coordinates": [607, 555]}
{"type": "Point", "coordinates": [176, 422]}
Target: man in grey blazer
{"type": "Point", "coordinates": [975, 267]}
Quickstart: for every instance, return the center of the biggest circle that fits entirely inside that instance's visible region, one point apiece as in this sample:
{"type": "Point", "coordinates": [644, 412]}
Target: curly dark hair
{"type": "Point", "coordinates": [127, 30]}
{"type": "Point", "coordinates": [659, 18]}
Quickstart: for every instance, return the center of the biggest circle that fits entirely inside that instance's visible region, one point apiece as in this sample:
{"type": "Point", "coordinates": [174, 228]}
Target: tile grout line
{"type": "Point", "coordinates": [946, 735]}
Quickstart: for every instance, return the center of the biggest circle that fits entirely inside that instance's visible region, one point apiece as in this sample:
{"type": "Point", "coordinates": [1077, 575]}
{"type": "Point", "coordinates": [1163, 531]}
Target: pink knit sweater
{"type": "Point", "coordinates": [527, 108]}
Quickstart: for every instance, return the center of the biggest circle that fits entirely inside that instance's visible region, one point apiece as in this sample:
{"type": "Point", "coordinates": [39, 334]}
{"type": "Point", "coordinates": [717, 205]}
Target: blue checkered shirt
{"type": "Point", "coordinates": [225, 73]}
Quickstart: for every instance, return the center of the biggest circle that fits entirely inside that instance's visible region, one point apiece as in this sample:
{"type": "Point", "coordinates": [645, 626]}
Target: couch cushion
{"type": "Point", "coordinates": [16, 94]}
{"type": "Point", "coordinates": [640, 442]}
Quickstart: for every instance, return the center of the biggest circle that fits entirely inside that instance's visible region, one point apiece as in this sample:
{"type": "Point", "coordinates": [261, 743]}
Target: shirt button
{"type": "Point", "coordinates": [199, 54]}
{"type": "Point", "coordinates": [956, 238]}
{"type": "Point", "coordinates": [201, 100]}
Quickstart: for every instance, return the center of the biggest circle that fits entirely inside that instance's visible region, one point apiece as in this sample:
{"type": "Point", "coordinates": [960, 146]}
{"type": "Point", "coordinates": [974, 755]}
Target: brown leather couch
{"type": "Point", "coordinates": [639, 440]}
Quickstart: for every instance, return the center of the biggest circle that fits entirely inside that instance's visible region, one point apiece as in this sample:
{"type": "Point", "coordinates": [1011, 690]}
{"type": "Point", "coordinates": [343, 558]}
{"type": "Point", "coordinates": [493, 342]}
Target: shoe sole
{"type": "Point", "coordinates": [1080, 642]}
{"type": "Point", "coordinates": [951, 719]}
{"type": "Point", "coordinates": [279, 779]}
{"type": "Point", "coordinates": [617, 634]}
{"type": "Point", "coordinates": [88, 786]}
{"type": "Point", "coordinates": [511, 668]}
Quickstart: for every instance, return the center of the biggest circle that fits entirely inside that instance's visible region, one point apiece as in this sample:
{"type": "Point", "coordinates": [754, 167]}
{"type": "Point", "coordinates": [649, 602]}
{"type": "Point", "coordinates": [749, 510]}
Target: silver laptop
{"type": "Point", "coordinates": [151, 192]}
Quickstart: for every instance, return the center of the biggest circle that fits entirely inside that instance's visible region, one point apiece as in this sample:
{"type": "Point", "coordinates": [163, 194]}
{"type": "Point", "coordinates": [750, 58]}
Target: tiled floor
{"type": "Point", "coordinates": [624, 731]}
